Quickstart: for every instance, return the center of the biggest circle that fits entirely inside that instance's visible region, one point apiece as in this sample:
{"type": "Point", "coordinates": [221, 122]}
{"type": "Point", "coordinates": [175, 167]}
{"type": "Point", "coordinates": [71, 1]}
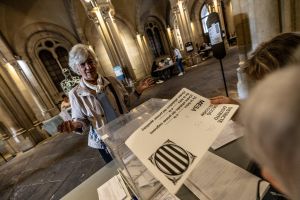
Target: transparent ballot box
{"type": "Point", "coordinates": [114, 135]}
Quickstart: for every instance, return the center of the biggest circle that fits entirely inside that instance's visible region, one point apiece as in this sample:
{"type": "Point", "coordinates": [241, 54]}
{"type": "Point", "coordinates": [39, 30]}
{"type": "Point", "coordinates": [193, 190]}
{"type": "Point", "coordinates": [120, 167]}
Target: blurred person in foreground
{"type": "Point", "coordinates": [96, 100]}
{"type": "Point", "coordinates": [271, 118]}
{"type": "Point", "coordinates": [268, 57]}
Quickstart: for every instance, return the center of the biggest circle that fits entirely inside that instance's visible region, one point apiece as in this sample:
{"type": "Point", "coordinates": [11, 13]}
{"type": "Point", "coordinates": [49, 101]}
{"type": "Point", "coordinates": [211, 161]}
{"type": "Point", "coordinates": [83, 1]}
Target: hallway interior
{"type": "Point", "coordinates": [57, 165]}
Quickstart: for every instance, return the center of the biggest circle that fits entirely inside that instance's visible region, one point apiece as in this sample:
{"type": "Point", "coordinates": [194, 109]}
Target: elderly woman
{"type": "Point", "coordinates": [96, 100]}
{"type": "Point", "coordinates": [268, 57]}
{"type": "Point", "coordinates": [271, 117]}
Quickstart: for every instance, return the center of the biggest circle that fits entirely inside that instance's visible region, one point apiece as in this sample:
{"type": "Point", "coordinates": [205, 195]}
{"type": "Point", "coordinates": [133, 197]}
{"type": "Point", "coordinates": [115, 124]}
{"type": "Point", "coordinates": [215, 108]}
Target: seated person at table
{"type": "Point", "coordinates": [205, 53]}
{"type": "Point", "coordinates": [271, 118]}
{"type": "Point", "coordinates": [96, 100]}
{"type": "Point", "coordinates": [154, 74]}
{"type": "Point", "coordinates": [268, 57]}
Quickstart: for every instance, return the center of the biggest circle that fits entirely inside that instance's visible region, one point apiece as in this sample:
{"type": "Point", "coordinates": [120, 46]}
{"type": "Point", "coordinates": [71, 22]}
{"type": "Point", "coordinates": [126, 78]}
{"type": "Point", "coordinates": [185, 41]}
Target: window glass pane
{"type": "Point", "coordinates": [204, 11]}
{"type": "Point", "coordinates": [204, 20]}
{"type": "Point", "coordinates": [152, 42]}
{"type": "Point", "coordinates": [52, 68]}
{"type": "Point", "coordinates": [155, 38]}
{"type": "Point", "coordinates": [158, 42]}
{"type": "Point", "coordinates": [62, 55]}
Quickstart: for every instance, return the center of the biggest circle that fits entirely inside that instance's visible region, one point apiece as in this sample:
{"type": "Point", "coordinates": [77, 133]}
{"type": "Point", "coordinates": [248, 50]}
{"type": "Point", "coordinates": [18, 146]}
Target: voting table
{"type": "Point", "coordinates": [165, 72]}
{"type": "Point", "coordinates": [219, 171]}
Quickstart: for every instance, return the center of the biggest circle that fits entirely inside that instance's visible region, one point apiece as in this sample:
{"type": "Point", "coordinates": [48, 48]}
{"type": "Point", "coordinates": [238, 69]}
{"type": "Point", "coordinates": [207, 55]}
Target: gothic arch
{"type": "Point", "coordinates": [162, 33]}
{"type": "Point", "coordinates": [195, 17]}
{"type": "Point", "coordinates": [26, 45]}
{"type": "Point", "coordinates": [36, 44]}
{"type": "Point", "coordinates": [140, 20]}
{"type": "Point", "coordinates": [21, 42]}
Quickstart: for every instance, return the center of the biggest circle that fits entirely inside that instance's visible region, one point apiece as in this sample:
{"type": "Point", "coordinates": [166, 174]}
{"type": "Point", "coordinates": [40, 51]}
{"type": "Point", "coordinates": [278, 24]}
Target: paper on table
{"type": "Point", "coordinates": [171, 142]}
{"type": "Point", "coordinates": [114, 189]}
{"type": "Point", "coordinates": [165, 195]}
{"type": "Point", "coordinates": [215, 178]}
{"type": "Point", "coordinates": [231, 132]}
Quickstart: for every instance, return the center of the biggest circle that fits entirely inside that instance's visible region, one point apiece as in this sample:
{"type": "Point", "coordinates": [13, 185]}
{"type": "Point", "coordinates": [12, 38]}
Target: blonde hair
{"type": "Point", "coordinates": [272, 55]}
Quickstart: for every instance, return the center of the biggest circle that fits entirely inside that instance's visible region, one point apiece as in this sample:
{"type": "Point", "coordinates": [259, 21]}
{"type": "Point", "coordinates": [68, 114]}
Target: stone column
{"type": "Point", "coordinates": [243, 13]}
{"type": "Point", "coordinates": [15, 96]}
{"type": "Point", "coordinates": [19, 139]}
{"type": "Point", "coordinates": [287, 13]}
{"type": "Point", "coordinates": [42, 108]}
{"type": "Point", "coordinates": [229, 17]}
{"type": "Point", "coordinates": [256, 21]}
{"type": "Point", "coordinates": [19, 87]}
{"type": "Point", "coordinates": [267, 20]}
{"type": "Point", "coordinates": [184, 24]}
{"type": "Point", "coordinates": [142, 51]}
{"type": "Point", "coordinates": [148, 53]}
{"type": "Point", "coordinates": [49, 109]}
{"type": "Point", "coordinates": [101, 12]}
{"type": "Point", "coordinates": [5, 136]}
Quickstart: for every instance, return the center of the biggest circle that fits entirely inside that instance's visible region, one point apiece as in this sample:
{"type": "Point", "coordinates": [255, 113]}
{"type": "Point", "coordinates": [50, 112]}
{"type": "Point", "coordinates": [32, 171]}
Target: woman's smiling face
{"type": "Point", "coordinates": [88, 70]}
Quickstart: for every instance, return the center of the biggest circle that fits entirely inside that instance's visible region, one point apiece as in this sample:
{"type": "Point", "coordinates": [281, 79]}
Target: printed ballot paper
{"type": "Point", "coordinates": [173, 141]}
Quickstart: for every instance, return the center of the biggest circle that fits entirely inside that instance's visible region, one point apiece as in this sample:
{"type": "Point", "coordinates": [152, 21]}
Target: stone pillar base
{"type": "Point", "coordinates": [242, 84]}
{"type": "Point", "coordinates": [23, 140]}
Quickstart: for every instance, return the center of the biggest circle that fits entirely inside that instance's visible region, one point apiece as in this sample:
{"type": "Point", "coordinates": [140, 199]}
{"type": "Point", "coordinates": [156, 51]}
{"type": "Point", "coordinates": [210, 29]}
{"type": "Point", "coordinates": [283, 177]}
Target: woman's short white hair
{"type": "Point", "coordinates": [272, 120]}
{"type": "Point", "coordinates": [79, 54]}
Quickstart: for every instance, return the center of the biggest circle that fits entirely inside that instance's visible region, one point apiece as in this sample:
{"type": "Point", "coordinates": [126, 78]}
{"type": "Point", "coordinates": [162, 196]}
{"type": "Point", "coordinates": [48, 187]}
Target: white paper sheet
{"type": "Point", "coordinates": [114, 189]}
{"type": "Point", "coordinates": [165, 195]}
{"type": "Point", "coordinates": [231, 132]}
{"type": "Point", "coordinates": [217, 179]}
{"type": "Point", "coordinates": [172, 142]}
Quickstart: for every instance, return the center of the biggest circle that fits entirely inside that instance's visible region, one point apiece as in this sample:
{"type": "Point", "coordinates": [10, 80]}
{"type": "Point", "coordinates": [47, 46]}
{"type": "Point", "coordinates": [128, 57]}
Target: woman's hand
{"type": "Point", "coordinates": [144, 84]}
{"type": "Point", "coordinates": [223, 100]}
{"type": "Point", "coordinates": [69, 126]}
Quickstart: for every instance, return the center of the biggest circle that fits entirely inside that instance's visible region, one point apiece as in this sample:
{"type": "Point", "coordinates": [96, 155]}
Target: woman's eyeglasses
{"type": "Point", "coordinates": [89, 62]}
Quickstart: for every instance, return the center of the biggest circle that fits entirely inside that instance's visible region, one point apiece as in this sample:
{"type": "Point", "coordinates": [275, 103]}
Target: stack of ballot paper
{"type": "Point", "coordinates": [231, 132]}
{"type": "Point", "coordinates": [118, 189]}
{"type": "Point", "coordinates": [214, 178]}
{"type": "Point", "coordinates": [173, 141]}
{"type": "Point", "coordinates": [115, 189]}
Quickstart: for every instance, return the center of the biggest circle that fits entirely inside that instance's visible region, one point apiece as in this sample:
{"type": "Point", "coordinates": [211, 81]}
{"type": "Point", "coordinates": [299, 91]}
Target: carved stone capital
{"type": "Point", "coordinates": [175, 9]}
{"type": "Point", "coordinates": [104, 10]}
{"type": "Point", "coordinates": [100, 2]}
{"type": "Point", "coordinates": [92, 16]}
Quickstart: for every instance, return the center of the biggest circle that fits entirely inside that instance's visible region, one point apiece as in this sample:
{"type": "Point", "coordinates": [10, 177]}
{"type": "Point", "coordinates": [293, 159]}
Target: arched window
{"type": "Point", "coordinates": [159, 43]}
{"type": "Point", "coordinates": [52, 68]}
{"type": "Point", "coordinates": [152, 42]}
{"type": "Point", "coordinates": [204, 15]}
{"type": "Point", "coordinates": [55, 58]}
{"type": "Point", "coordinates": [155, 39]}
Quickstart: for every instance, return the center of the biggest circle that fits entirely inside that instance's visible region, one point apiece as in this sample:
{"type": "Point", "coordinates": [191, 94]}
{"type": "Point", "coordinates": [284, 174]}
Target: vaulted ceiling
{"type": "Point", "coordinates": [137, 11]}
